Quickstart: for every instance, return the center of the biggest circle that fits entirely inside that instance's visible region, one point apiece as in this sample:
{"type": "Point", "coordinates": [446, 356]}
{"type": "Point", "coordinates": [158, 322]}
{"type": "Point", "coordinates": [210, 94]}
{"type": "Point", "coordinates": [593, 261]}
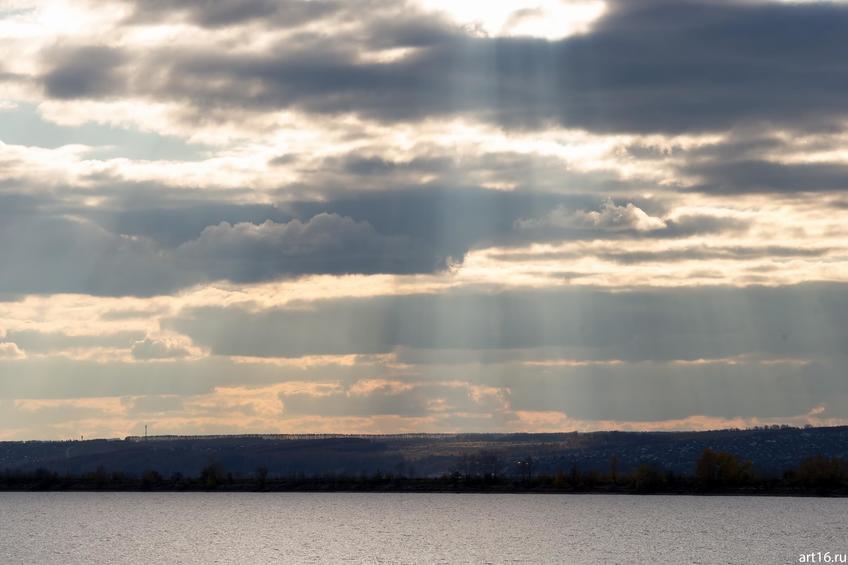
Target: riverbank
{"type": "Point", "coordinates": [388, 484]}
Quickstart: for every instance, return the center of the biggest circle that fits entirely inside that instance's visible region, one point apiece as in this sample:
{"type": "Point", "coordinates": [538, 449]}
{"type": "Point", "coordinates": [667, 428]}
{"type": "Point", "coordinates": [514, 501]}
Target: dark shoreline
{"type": "Point", "coordinates": [402, 491]}
{"type": "Point", "coordinates": [416, 486]}
{"type": "Point", "coordinates": [713, 473]}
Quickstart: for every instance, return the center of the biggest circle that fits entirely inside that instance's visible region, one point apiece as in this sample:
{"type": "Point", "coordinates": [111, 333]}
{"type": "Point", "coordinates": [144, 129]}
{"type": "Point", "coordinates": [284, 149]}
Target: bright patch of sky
{"type": "Point", "coordinates": [548, 19]}
{"type": "Point", "coordinates": [22, 124]}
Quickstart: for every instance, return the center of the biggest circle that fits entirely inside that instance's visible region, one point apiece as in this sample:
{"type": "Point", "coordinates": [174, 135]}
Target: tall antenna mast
{"type": "Point", "coordinates": [145, 431]}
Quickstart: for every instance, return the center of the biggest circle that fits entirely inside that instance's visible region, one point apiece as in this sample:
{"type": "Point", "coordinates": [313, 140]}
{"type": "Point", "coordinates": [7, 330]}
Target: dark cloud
{"type": "Point", "coordinates": [358, 165]}
{"type": "Point", "coordinates": [284, 159]}
{"type": "Point", "coordinates": [16, 204]}
{"type": "Point", "coordinates": [408, 27]}
{"type": "Point", "coordinates": [529, 172]}
{"type": "Point", "coordinates": [739, 145]}
{"type": "Point", "coordinates": [686, 324]}
{"type": "Point", "coordinates": [53, 255]}
{"type": "Point", "coordinates": [49, 255]}
{"type": "Point", "coordinates": [171, 224]}
{"type": "Point", "coordinates": [84, 72]}
{"type": "Point", "coordinates": [684, 226]}
{"type": "Point", "coordinates": [326, 244]}
{"type": "Point", "coordinates": [143, 242]}
{"type": "Point", "coordinates": [648, 66]}
{"type": "Point", "coordinates": [224, 13]}
{"type": "Point", "coordinates": [454, 220]}
{"type": "Point", "coordinates": [739, 177]}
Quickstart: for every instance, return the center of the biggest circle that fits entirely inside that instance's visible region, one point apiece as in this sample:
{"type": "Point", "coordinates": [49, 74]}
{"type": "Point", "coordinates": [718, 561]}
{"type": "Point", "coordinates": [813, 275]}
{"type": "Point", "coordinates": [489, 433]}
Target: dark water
{"type": "Point", "coordinates": [414, 528]}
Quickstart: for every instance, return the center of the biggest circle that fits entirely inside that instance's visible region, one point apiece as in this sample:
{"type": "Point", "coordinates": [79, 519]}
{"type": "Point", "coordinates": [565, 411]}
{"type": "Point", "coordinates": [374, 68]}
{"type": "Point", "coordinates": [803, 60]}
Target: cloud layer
{"type": "Point", "coordinates": [375, 216]}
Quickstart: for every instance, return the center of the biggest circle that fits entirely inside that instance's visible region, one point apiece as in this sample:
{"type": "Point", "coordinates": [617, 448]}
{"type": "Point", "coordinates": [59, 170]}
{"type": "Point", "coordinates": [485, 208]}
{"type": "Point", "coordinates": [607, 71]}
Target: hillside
{"type": "Point", "coordinates": [771, 450]}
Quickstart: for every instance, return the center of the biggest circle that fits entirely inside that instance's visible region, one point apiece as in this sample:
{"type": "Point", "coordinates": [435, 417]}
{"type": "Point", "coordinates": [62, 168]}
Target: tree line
{"type": "Point", "coordinates": [714, 472]}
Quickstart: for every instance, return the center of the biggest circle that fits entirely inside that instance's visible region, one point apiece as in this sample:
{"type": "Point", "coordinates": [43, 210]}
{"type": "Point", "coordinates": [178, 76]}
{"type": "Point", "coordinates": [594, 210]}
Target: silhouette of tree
{"type": "Point", "coordinates": [574, 476]}
{"type": "Point", "coordinates": [648, 478]}
{"type": "Point", "coordinates": [613, 469]}
{"type": "Point", "coordinates": [490, 464]}
{"type": "Point", "coordinates": [150, 478]}
{"type": "Point", "coordinates": [212, 475]}
{"type": "Point", "coordinates": [560, 481]}
{"type": "Point", "coordinates": [262, 476]}
{"type": "Point", "coordinates": [822, 472]}
{"type": "Point", "coordinates": [719, 468]}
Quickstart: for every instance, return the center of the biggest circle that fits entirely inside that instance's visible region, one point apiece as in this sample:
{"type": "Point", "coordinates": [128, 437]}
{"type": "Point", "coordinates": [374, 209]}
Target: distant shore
{"type": "Point", "coordinates": [712, 472]}
{"type": "Point", "coordinates": [434, 489]}
{"type": "Point", "coordinates": [388, 484]}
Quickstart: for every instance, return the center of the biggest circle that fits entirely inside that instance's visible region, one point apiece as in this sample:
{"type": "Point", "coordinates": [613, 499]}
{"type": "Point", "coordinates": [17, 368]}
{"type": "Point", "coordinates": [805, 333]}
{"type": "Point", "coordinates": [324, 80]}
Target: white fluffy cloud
{"type": "Point", "coordinates": [152, 349]}
{"type": "Point", "coordinates": [11, 351]}
{"type": "Point", "coordinates": [610, 217]}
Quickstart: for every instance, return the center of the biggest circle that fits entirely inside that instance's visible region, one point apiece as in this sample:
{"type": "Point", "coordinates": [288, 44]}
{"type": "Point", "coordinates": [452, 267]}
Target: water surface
{"type": "Point", "coordinates": [197, 528]}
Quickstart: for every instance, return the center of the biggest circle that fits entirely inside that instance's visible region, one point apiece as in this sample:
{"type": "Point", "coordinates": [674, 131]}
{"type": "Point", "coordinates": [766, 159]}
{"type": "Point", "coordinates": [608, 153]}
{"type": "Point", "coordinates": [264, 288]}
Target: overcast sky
{"type": "Point", "coordinates": [379, 216]}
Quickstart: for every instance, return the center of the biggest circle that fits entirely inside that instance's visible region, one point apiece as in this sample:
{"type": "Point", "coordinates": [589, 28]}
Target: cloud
{"type": "Point", "coordinates": [675, 254]}
{"type": "Point", "coordinates": [756, 176]}
{"type": "Point", "coordinates": [63, 255]}
{"type": "Point", "coordinates": [460, 175]}
{"type": "Point", "coordinates": [225, 13]}
{"type": "Point", "coordinates": [610, 217]}
{"type": "Point", "coordinates": [643, 392]}
{"type": "Point", "coordinates": [53, 255]}
{"type": "Point", "coordinates": [402, 399]}
{"type": "Point", "coordinates": [151, 349]}
{"type": "Point", "coordinates": [710, 253]}
{"type": "Point", "coordinates": [49, 342]}
{"type": "Point", "coordinates": [327, 243]}
{"type": "Point", "coordinates": [58, 377]}
{"type": "Point", "coordinates": [9, 350]}
{"type": "Point", "coordinates": [587, 324]}
{"type": "Point", "coordinates": [82, 72]}
{"type": "Point", "coordinates": [132, 314]}
{"type": "Point", "coordinates": [641, 68]}
{"type": "Point", "coordinates": [145, 240]}
{"type": "Point", "coordinates": [454, 220]}
{"type": "Point", "coordinates": [171, 217]}
{"type": "Point", "coordinates": [154, 404]}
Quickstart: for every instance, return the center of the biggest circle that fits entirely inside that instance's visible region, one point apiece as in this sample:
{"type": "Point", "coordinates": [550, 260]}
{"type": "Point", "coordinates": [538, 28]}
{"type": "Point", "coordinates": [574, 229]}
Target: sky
{"type": "Point", "coordinates": [391, 216]}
